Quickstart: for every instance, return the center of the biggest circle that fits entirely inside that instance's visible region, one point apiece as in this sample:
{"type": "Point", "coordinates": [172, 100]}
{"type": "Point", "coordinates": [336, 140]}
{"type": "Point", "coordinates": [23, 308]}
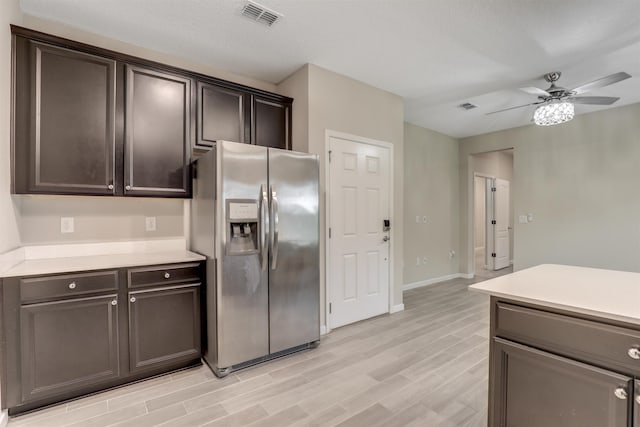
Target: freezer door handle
{"type": "Point", "coordinates": [264, 224]}
{"type": "Point", "coordinates": [274, 234]}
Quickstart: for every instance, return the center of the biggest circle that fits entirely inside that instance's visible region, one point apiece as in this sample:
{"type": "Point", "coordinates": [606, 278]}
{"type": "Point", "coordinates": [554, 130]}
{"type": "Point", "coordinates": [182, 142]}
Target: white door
{"type": "Point", "coordinates": [501, 226]}
{"type": "Point", "coordinates": [358, 279]}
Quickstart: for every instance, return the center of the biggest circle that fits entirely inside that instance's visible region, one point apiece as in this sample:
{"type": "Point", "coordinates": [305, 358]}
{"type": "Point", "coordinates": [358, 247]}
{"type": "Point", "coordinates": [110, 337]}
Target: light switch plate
{"type": "Point", "coordinates": [522, 219]}
{"type": "Point", "coordinates": [66, 224]}
{"type": "Point", "coordinates": [150, 223]}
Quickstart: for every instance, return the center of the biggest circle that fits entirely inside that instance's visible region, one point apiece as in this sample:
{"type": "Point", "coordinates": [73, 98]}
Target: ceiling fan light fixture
{"type": "Point", "coordinates": [553, 113]}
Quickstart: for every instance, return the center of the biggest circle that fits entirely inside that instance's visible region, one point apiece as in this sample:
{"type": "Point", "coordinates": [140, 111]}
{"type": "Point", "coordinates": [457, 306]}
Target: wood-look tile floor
{"type": "Point", "coordinates": [425, 366]}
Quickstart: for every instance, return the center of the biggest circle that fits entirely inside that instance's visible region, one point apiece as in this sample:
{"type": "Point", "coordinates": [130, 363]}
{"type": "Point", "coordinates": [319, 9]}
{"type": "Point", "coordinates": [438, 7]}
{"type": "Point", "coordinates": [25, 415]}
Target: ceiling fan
{"type": "Point", "coordinates": [556, 102]}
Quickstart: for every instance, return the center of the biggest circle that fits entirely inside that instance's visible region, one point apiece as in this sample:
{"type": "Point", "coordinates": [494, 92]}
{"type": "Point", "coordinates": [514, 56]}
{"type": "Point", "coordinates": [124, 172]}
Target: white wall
{"type": "Point", "coordinates": [296, 86]}
{"type": "Point", "coordinates": [431, 190]}
{"type": "Point", "coordinates": [338, 103]}
{"type": "Point", "coordinates": [97, 218]}
{"type": "Point", "coordinates": [580, 182]}
{"type": "Point", "coordinates": [9, 217]}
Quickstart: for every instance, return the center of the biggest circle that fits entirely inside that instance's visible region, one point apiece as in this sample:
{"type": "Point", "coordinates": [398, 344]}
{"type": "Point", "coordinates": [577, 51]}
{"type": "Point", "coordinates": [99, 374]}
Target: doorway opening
{"type": "Point", "coordinates": [492, 213]}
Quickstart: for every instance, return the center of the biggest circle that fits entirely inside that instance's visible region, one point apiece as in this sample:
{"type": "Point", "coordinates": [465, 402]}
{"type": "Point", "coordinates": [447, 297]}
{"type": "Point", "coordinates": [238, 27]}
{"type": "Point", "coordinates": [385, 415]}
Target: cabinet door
{"type": "Point", "coordinates": [270, 123]}
{"type": "Point", "coordinates": [64, 122]}
{"type": "Point", "coordinates": [164, 326]}
{"type": "Point", "coordinates": [157, 134]}
{"type": "Point", "coordinates": [534, 388]}
{"type": "Point", "coordinates": [67, 345]}
{"type": "Point", "coordinates": [220, 115]}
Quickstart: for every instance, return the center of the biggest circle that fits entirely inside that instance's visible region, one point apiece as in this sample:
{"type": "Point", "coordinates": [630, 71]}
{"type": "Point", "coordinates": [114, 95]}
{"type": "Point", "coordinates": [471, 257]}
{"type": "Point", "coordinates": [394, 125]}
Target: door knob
{"type": "Point", "coordinates": [634, 353]}
{"type": "Point", "coordinates": [620, 393]}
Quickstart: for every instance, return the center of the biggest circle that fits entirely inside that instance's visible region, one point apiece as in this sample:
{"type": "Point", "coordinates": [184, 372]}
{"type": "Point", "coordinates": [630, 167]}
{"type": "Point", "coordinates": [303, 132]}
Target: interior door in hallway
{"type": "Point", "coordinates": [358, 276]}
{"type": "Point", "coordinates": [501, 225]}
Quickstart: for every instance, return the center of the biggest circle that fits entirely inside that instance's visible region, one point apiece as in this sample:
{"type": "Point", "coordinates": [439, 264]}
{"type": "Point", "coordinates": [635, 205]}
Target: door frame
{"type": "Point", "coordinates": [487, 221]}
{"type": "Point", "coordinates": [328, 134]}
{"type": "Point", "coordinates": [470, 178]}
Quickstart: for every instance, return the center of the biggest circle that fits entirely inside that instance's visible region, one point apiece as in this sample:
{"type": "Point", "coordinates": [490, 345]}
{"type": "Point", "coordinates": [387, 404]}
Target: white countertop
{"type": "Point", "coordinates": [98, 262]}
{"type": "Point", "coordinates": [50, 259]}
{"type": "Point", "coordinates": [603, 293]}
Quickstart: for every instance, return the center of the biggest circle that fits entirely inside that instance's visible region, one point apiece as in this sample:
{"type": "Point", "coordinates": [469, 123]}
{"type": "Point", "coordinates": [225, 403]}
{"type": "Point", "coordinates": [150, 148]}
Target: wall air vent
{"type": "Point", "coordinates": [259, 13]}
{"type": "Point", "coordinates": [467, 106]}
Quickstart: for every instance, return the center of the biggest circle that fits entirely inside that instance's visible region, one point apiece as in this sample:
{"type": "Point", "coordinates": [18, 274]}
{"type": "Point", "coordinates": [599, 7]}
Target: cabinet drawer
{"type": "Point", "coordinates": [60, 286]}
{"type": "Point", "coordinates": [593, 342]}
{"type": "Point", "coordinates": [163, 275]}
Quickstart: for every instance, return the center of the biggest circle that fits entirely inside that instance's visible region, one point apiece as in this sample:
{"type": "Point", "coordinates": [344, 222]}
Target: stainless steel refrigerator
{"type": "Point", "coordinates": [255, 217]}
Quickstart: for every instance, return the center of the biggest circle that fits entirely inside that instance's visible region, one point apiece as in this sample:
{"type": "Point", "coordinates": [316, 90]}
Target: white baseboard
{"type": "Point", "coordinates": [4, 418]}
{"type": "Point", "coordinates": [396, 308]}
{"type": "Point", "coordinates": [323, 329]}
{"type": "Point", "coordinates": [436, 280]}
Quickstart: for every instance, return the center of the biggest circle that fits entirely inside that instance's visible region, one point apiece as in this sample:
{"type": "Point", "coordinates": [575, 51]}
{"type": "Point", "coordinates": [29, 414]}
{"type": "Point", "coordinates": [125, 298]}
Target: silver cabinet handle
{"type": "Point", "coordinates": [620, 393]}
{"type": "Point", "coordinates": [274, 233]}
{"type": "Point", "coordinates": [72, 285]}
{"type": "Point", "coordinates": [110, 186]}
{"type": "Point", "coordinates": [167, 275]}
{"type": "Point", "coordinates": [634, 353]}
{"type": "Point", "coordinates": [132, 299]}
{"type": "Point", "coordinates": [127, 187]}
{"type": "Point", "coordinates": [264, 223]}
{"type": "Point", "coordinates": [114, 302]}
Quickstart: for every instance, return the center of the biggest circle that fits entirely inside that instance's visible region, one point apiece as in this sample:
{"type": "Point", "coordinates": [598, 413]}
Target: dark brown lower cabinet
{"type": "Point", "coordinates": [69, 334]}
{"type": "Point", "coordinates": [535, 389]}
{"type": "Point", "coordinates": [68, 345]}
{"type": "Point", "coordinates": [164, 326]}
{"type": "Point", "coordinates": [551, 367]}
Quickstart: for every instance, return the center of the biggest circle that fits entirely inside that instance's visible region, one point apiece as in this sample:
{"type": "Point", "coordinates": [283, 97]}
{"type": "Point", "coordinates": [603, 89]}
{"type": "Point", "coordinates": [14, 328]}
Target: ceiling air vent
{"type": "Point", "coordinates": [259, 13]}
{"type": "Point", "coordinates": [467, 106]}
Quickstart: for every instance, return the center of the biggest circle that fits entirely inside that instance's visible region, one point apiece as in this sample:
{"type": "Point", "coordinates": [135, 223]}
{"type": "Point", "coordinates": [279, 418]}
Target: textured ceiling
{"type": "Point", "coordinates": [436, 54]}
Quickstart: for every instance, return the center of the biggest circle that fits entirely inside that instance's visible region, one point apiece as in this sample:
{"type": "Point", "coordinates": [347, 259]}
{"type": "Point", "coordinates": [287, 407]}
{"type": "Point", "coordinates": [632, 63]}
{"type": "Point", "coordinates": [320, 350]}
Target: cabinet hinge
{"type": "Point", "coordinates": [329, 308]}
{"type": "Point", "coordinates": [493, 254]}
{"type": "Point", "coordinates": [493, 188]}
{"type": "Point", "coordinates": [329, 156]}
{"type": "Point", "coordinates": [493, 221]}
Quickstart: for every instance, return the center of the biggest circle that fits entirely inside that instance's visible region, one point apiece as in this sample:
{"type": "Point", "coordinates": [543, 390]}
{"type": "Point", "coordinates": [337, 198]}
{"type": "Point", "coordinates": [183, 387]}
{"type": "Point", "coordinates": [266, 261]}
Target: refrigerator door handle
{"type": "Point", "coordinates": [264, 224]}
{"type": "Point", "coordinates": [274, 234]}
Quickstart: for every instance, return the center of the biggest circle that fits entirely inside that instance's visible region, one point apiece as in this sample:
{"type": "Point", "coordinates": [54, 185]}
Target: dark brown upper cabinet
{"type": "Point", "coordinates": [270, 123]}
{"type": "Point", "coordinates": [157, 129]}
{"type": "Point", "coordinates": [220, 114]}
{"type": "Point", "coordinates": [64, 120]}
{"type": "Point", "coordinates": [91, 121]}
{"type": "Point", "coordinates": [232, 114]}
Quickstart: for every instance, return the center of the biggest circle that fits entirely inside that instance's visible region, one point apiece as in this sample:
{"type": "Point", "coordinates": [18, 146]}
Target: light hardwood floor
{"type": "Point", "coordinates": [425, 366]}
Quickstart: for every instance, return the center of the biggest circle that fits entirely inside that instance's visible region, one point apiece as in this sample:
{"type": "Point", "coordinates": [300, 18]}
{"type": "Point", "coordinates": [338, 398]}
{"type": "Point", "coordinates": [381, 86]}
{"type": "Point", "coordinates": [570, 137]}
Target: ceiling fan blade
{"type": "Point", "coordinates": [535, 91]}
{"type": "Point", "coordinates": [595, 100]}
{"type": "Point", "coordinates": [605, 81]}
{"type": "Point", "coordinates": [513, 108]}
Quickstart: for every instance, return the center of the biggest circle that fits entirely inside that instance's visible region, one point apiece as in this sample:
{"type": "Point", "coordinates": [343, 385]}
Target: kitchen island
{"type": "Point", "coordinates": [565, 347]}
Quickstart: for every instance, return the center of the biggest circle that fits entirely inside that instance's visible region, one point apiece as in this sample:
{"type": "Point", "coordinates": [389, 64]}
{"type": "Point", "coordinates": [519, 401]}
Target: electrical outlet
{"type": "Point", "coordinates": [417, 219]}
{"type": "Point", "coordinates": [424, 260]}
{"type": "Point", "coordinates": [150, 223]}
{"type": "Point", "coordinates": [424, 219]}
{"type": "Point", "coordinates": [452, 254]}
{"type": "Point", "coordinates": [66, 224]}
